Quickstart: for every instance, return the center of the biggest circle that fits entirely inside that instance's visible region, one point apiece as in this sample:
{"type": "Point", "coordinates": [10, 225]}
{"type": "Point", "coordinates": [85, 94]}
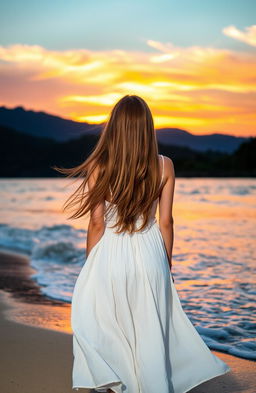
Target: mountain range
{"type": "Point", "coordinates": [42, 124]}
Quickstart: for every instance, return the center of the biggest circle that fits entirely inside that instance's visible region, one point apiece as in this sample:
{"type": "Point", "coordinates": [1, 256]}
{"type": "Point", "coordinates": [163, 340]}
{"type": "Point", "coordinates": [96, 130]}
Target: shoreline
{"type": "Point", "coordinates": [15, 272]}
{"type": "Point", "coordinates": [27, 304]}
{"type": "Point", "coordinates": [39, 327]}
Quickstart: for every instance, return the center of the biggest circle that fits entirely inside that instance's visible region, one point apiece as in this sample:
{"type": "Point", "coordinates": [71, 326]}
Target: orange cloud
{"type": "Point", "coordinates": [248, 36]}
{"type": "Point", "coordinates": [201, 89]}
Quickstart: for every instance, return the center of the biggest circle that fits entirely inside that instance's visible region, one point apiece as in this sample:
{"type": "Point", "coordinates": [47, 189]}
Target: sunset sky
{"type": "Point", "coordinates": [194, 62]}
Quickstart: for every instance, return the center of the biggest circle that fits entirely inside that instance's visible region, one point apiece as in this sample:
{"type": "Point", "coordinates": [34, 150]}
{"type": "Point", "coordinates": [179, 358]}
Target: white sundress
{"type": "Point", "coordinates": [130, 332]}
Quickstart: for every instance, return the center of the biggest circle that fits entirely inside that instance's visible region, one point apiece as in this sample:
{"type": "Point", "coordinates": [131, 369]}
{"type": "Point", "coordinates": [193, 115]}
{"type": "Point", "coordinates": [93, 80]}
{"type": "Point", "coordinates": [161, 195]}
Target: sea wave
{"type": "Point", "coordinates": [57, 254]}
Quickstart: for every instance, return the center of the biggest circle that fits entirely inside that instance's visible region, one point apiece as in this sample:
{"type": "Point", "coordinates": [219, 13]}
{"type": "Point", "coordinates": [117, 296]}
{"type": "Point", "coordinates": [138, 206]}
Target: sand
{"type": "Point", "coordinates": [39, 359]}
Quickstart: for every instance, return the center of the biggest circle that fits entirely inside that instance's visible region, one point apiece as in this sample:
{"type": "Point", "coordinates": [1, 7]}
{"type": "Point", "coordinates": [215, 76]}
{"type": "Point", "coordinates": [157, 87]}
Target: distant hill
{"type": "Point", "coordinates": [23, 155]}
{"type": "Point", "coordinates": [45, 125]}
{"type": "Point", "coordinates": [218, 142]}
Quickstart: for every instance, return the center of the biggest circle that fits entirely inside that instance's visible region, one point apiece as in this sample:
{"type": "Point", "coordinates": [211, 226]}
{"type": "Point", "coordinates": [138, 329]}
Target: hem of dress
{"type": "Point", "coordinates": [207, 379]}
{"type": "Point", "coordinates": [98, 387]}
{"type": "Point", "coordinates": [89, 387]}
{"type": "Point", "coordinates": [185, 391]}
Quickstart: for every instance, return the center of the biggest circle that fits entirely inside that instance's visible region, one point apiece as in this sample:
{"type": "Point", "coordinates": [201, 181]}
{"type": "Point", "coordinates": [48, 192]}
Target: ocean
{"type": "Point", "coordinates": [213, 255]}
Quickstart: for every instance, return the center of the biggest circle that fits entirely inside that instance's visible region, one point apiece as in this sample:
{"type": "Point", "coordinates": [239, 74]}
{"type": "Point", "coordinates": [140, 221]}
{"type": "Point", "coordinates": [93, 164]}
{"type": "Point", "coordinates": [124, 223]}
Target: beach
{"type": "Point", "coordinates": [36, 340]}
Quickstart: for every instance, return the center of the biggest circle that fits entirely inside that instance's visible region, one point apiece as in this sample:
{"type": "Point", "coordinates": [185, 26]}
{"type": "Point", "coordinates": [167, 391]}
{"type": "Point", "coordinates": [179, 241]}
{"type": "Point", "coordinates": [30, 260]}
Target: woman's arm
{"type": "Point", "coordinates": [94, 233]}
{"type": "Point", "coordinates": [165, 208]}
{"type": "Point", "coordinates": [96, 226]}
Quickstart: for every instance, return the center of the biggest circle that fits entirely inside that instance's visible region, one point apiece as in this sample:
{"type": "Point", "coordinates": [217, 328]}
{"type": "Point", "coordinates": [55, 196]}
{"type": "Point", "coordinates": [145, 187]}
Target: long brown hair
{"type": "Point", "coordinates": [126, 159]}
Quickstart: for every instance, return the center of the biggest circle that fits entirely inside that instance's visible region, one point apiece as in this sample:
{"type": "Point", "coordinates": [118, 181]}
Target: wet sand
{"type": "Point", "coordinates": [36, 340]}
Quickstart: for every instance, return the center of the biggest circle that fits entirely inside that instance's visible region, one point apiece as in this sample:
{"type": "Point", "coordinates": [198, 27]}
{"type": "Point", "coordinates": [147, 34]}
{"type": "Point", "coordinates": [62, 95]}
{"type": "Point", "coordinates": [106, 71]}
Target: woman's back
{"type": "Point", "coordinates": [152, 215]}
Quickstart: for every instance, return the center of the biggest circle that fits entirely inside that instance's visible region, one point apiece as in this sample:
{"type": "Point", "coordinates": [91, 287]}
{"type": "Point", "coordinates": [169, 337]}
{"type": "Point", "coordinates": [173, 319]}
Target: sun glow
{"type": "Point", "coordinates": [201, 89]}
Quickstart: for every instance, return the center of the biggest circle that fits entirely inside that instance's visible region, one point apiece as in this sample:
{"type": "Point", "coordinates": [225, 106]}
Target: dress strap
{"type": "Point", "coordinates": [162, 170]}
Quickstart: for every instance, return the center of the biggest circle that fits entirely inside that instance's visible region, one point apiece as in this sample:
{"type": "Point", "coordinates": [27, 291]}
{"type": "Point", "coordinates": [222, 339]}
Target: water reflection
{"type": "Point", "coordinates": [213, 254]}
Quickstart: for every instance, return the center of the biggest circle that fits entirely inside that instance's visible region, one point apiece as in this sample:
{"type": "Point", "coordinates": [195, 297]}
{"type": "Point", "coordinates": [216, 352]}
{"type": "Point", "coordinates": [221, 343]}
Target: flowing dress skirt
{"type": "Point", "coordinates": [130, 332]}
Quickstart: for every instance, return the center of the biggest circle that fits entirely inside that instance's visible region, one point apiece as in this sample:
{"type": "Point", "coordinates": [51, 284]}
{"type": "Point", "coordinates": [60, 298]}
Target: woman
{"type": "Point", "coordinates": [130, 333]}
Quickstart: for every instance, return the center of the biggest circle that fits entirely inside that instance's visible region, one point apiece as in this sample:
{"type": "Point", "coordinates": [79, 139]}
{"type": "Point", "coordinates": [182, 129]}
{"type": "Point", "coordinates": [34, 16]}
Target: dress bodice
{"type": "Point", "coordinates": [111, 216]}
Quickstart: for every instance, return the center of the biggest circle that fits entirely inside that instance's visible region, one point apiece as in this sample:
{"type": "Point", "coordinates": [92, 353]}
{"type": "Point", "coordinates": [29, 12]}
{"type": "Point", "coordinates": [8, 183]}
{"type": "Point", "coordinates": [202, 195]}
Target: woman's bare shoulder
{"type": "Point", "coordinates": [169, 170]}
